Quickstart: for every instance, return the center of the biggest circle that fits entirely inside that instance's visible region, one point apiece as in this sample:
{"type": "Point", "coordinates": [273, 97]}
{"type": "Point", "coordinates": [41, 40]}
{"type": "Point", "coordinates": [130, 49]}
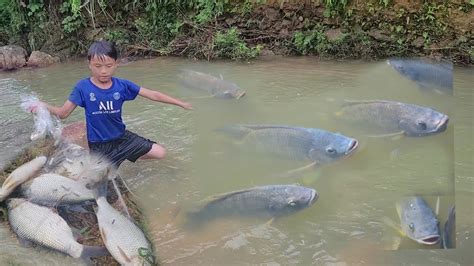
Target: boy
{"type": "Point", "coordinates": [102, 95]}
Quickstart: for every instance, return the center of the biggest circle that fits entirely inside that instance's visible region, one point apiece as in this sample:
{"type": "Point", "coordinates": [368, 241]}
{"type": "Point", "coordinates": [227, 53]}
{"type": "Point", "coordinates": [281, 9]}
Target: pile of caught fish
{"type": "Point", "coordinates": [57, 196]}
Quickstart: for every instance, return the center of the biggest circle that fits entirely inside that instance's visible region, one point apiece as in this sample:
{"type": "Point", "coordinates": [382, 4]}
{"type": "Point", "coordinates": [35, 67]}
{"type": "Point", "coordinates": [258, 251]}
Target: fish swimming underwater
{"type": "Point", "coordinates": [417, 221]}
{"type": "Point", "coordinates": [217, 87]}
{"type": "Point", "coordinates": [315, 145]}
{"type": "Point", "coordinates": [395, 117]}
{"type": "Point", "coordinates": [264, 201]}
{"type": "Point", "coordinates": [425, 73]}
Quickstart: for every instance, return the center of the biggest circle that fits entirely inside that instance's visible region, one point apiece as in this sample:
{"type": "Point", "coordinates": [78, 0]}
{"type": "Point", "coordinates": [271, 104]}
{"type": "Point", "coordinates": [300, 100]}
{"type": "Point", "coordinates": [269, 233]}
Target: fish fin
{"type": "Point", "coordinates": [339, 113]}
{"type": "Point", "coordinates": [393, 225]}
{"type": "Point", "coordinates": [389, 135]}
{"type": "Point", "coordinates": [93, 251]}
{"type": "Point", "coordinates": [124, 255]}
{"type": "Point", "coordinates": [437, 206]}
{"type": "Point", "coordinates": [25, 242]}
{"type": "Point", "coordinates": [221, 77]}
{"type": "Point", "coordinates": [236, 131]}
{"type": "Point", "coordinates": [269, 222]}
{"type": "Point", "coordinates": [9, 184]}
{"type": "Point", "coordinates": [356, 102]}
{"type": "Point", "coordinates": [299, 170]}
{"type": "Point", "coordinates": [103, 234]}
{"type": "Point", "coordinates": [396, 243]}
{"type": "Point", "coordinates": [216, 198]}
{"type": "Point", "coordinates": [100, 190]}
{"type": "Point", "coordinates": [76, 208]}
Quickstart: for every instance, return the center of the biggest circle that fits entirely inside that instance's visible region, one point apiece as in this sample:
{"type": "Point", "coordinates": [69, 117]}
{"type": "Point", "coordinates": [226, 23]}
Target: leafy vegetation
{"type": "Point", "coordinates": [229, 45]}
{"type": "Point", "coordinates": [237, 29]}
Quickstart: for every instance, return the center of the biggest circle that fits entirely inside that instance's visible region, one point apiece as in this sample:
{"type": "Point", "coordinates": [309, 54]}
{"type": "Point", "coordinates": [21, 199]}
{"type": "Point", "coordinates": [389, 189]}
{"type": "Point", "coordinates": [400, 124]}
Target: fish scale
{"type": "Point", "coordinates": [41, 225]}
{"type": "Point", "coordinates": [293, 142]}
{"type": "Point", "coordinates": [395, 116]}
{"type": "Point", "coordinates": [51, 189]}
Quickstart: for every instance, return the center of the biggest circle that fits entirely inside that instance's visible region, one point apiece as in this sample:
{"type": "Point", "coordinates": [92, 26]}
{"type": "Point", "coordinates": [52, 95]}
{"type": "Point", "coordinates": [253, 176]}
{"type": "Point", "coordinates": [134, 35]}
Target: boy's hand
{"type": "Point", "coordinates": [187, 106]}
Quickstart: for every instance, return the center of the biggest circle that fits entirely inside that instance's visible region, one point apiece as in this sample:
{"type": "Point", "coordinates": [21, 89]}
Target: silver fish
{"type": "Point", "coordinates": [215, 86]}
{"type": "Point", "coordinates": [418, 220]}
{"type": "Point", "coordinates": [122, 237]}
{"type": "Point", "coordinates": [21, 175]}
{"type": "Point", "coordinates": [298, 143]}
{"type": "Point", "coordinates": [264, 201]}
{"type": "Point", "coordinates": [412, 120]}
{"type": "Point", "coordinates": [53, 189]}
{"type": "Point", "coordinates": [44, 227]}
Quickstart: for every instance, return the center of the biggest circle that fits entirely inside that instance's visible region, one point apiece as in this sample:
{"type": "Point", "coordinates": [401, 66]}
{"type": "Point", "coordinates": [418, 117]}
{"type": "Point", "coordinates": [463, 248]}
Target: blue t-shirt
{"type": "Point", "coordinates": [103, 108]}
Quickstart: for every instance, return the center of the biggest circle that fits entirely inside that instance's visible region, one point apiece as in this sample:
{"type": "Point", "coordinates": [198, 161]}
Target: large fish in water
{"type": "Point", "coordinates": [123, 238]}
{"type": "Point", "coordinates": [417, 221]}
{"type": "Point", "coordinates": [217, 87]}
{"type": "Point", "coordinates": [52, 189]}
{"type": "Point", "coordinates": [395, 117]}
{"type": "Point", "coordinates": [42, 226]}
{"type": "Point", "coordinates": [21, 175]}
{"type": "Point", "coordinates": [265, 202]}
{"type": "Point", "coordinates": [315, 145]}
{"type": "Point", "coordinates": [428, 75]}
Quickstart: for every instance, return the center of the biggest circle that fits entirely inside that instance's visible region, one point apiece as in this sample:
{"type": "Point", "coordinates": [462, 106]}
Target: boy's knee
{"type": "Point", "coordinates": [158, 152]}
{"type": "Point", "coordinates": [161, 152]}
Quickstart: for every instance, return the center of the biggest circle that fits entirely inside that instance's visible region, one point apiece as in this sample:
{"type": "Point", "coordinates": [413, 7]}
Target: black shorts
{"type": "Point", "coordinates": [129, 146]}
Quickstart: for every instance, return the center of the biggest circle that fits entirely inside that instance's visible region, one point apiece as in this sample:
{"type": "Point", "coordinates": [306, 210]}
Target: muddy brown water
{"type": "Point", "coordinates": [344, 226]}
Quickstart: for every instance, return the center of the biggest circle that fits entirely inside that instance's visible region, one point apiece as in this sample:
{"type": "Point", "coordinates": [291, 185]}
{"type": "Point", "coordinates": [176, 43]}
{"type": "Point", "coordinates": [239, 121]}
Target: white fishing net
{"type": "Point", "coordinates": [45, 124]}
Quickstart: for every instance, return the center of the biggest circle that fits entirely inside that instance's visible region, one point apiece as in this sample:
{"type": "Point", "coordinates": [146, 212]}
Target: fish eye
{"type": "Point", "coordinates": [330, 150]}
{"type": "Point", "coordinates": [422, 125]}
{"type": "Point", "coordinates": [412, 227]}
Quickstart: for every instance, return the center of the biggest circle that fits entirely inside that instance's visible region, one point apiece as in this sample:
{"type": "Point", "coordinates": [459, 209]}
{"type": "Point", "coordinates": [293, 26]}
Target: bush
{"type": "Point", "coordinates": [229, 45]}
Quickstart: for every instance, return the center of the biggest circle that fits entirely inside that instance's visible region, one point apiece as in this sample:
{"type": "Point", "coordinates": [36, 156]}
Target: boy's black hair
{"type": "Point", "coordinates": [101, 49]}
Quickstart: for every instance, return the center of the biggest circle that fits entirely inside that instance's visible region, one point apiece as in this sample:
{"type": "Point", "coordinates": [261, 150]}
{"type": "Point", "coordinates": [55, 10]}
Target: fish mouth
{"type": "Point", "coordinates": [353, 145]}
{"type": "Point", "coordinates": [240, 95]}
{"type": "Point", "coordinates": [429, 240]}
{"type": "Point", "coordinates": [442, 125]}
{"type": "Point", "coordinates": [314, 197]}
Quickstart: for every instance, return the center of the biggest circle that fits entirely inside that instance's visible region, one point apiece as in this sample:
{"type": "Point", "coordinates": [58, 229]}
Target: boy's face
{"type": "Point", "coordinates": [102, 68]}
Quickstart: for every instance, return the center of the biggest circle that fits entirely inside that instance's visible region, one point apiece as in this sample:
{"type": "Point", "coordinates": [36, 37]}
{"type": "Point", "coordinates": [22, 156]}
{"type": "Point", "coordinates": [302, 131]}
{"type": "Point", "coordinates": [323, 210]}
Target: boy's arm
{"type": "Point", "coordinates": [161, 97]}
{"type": "Point", "coordinates": [63, 111]}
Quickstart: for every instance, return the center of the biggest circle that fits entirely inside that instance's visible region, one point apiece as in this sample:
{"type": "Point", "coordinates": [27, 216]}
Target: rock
{"type": "Point", "coordinates": [379, 35]}
{"type": "Point", "coordinates": [40, 59]}
{"type": "Point", "coordinates": [93, 34]}
{"type": "Point", "coordinates": [284, 33]}
{"type": "Point", "coordinates": [12, 57]}
{"type": "Point", "coordinates": [418, 42]}
{"type": "Point", "coordinates": [267, 52]}
{"type": "Point", "coordinates": [334, 34]}
{"type": "Point", "coordinates": [272, 14]}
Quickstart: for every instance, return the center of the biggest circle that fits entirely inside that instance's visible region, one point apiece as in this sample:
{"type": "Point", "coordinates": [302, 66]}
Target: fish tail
{"type": "Point", "coordinates": [93, 251]}
{"type": "Point", "coordinates": [235, 131]}
{"type": "Point", "coordinates": [100, 190]}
